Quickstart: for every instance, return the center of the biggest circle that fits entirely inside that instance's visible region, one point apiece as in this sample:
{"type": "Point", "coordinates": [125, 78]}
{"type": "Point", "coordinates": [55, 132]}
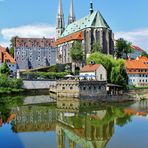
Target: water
{"type": "Point", "coordinates": [71, 124]}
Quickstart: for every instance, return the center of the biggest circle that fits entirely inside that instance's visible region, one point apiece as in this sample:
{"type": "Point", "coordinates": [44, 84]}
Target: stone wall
{"type": "Point", "coordinates": [93, 89]}
{"type": "Point", "coordinates": [81, 89]}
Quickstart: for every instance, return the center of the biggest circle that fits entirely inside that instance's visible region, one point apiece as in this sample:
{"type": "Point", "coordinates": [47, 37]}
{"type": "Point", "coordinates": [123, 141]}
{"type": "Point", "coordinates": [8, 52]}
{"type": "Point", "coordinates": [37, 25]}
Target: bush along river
{"type": "Point", "coordinates": [40, 122]}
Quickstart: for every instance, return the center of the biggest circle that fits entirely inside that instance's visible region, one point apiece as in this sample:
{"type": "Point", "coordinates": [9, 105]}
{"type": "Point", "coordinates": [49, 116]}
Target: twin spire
{"type": "Point", "coordinates": [60, 17]}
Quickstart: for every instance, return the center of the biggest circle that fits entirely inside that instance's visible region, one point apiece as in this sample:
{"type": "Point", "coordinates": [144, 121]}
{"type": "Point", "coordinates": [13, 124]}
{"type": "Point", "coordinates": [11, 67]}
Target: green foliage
{"type": "Point", "coordinates": [96, 47]}
{"type": "Point", "coordinates": [44, 75]}
{"type": "Point", "coordinates": [10, 85]}
{"type": "Point", "coordinates": [11, 51]}
{"type": "Point", "coordinates": [4, 69]}
{"type": "Point", "coordinates": [76, 52]}
{"type": "Point", "coordinates": [123, 47]}
{"type": "Point", "coordinates": [116, 72]}
{"type": "Point", "coordinates": [144, 54]}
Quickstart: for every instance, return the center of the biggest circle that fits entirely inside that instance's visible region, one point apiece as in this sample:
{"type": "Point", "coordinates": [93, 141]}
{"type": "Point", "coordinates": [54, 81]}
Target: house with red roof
{"type": "Point", "coordinates": [93, 72]}
{"type": "Point", "coordinates": [137, 71]}
{"type": "Point", "coordinates": [6, 57]}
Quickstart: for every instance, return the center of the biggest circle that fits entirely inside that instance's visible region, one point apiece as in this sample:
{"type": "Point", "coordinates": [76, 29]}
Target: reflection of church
{"type": "Point", "coordinates": [88, 30]}
{"type": "Point", "coordinates": [90, 129]}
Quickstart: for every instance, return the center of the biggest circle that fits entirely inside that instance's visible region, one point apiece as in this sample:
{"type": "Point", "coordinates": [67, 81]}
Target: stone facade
{"type": "Point", "coordinates": [82, 89]}
{"type": "Point", "coordinates": [33, 53]}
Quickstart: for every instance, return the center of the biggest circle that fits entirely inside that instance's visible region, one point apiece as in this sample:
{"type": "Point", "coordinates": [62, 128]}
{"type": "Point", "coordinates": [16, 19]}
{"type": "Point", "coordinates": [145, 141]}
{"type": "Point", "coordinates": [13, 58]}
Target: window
{"type": "Point", "coordinates": [63, 88]}
{"type": "Point", "coordinates": [100, 76]}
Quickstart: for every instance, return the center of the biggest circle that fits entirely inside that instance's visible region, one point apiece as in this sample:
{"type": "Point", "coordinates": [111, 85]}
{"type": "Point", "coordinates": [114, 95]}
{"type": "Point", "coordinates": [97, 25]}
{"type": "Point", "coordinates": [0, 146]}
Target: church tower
{"type": "Point", "coordinates": [91, 7]}
{"type": "Point", "coordinates": [71, 17]}
{"type": "Point", "coordinates": [60, 25]}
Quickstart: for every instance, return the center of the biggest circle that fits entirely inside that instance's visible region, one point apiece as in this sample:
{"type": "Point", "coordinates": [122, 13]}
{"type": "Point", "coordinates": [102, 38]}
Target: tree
{"type": "Point", "coordinates": [12, 45]}
{"type": "Point", "coordinates": [4, 69]}
{"type": "Point", "coordinates": [144, 54]}
{"type": "Point", "coordinates": [76, 52]}
{"type": "Point", "coordinates": [96, 47]}
{"type": "Point", "coordinates": [116, 72]}
{"type": "Point", "coordinates": [123, 47]}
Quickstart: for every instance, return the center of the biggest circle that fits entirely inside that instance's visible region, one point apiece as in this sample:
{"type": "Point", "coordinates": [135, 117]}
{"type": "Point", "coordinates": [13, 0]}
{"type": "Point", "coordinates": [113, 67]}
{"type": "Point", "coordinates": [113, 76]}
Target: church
{"type": "Point", "coordinates": [88, 30]}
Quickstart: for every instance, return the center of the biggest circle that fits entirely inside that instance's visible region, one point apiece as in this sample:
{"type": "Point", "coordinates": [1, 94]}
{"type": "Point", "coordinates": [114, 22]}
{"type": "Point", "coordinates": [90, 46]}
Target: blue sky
{"type": "Point", "coordinates": [37, 18]}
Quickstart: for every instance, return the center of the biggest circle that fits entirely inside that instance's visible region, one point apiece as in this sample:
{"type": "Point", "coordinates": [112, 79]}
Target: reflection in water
{"type": "Point", "coordinates": [77, 123]}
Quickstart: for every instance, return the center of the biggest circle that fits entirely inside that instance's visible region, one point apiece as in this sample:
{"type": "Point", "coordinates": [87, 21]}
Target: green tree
{"type": "Point", "coordinates": [116, 72]}
{"type": "Point", "coordinates": [123, 47]}
{"type": "Point", "coordinates": [96, 47]}
{"type": "Point", "coordinates": [144, 54]}
{"type": "Point", "coordinates": [4, 69]}
{"type": "Point", "coordinates": [11, 51]}
{"type": "Point", "coordinates": [76, 52]}
{"type": "Point", "coordinates": [12, 45]}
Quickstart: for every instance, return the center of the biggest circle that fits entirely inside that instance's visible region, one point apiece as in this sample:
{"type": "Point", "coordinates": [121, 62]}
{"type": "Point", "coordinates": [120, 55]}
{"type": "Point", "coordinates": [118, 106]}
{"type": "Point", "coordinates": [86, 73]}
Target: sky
{"type": "Point", "coordinates": [37, 18]}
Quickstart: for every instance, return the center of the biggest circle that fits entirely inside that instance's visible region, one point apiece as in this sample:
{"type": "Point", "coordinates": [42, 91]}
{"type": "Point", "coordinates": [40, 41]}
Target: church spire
{"type": "Point", "coordinates": [71, 17]}
{"type": "Point", "coordinates": [60, 26]}
{"type": "Point", "coordinates": [91, 7]}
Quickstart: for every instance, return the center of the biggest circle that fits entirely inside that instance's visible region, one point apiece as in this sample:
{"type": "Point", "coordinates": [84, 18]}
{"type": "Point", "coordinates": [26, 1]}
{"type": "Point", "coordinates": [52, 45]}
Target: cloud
{"type": "Point", "coordinates": [27, 31]}
{"type": "Point", "coordinates": [138, 37]}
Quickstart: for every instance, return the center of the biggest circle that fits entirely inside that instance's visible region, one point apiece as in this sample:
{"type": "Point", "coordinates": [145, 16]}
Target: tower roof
{"type": "Point", "coordinates": [72, 9]}
{"type": "Point", "coordinates": [95, 20]}
{"type": "Point", "coordinates": [60, 9]}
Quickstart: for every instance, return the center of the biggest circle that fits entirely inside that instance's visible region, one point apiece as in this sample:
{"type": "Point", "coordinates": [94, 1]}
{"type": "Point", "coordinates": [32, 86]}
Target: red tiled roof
{"type": "Point", "coordinates": [5, 56]}
{"type": "Point", "coordinates": [90, 68]}
{"type": "Point", "coordinates": [137, 48]}
{"type": "Point", "coordinates": [139, 63]}
{"type": "Point", "coordinates": [37, 42]}
{"type": "Point", "coordinates": [74, 36]}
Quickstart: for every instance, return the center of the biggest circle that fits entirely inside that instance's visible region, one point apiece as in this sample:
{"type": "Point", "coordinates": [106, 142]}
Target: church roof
{"type": "Point", "coordinates": [74, 36]}
{"type": "Point", "coordinates": [94, 20]}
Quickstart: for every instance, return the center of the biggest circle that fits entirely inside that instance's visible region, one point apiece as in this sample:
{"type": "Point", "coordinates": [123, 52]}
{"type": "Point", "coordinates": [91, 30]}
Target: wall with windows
{"type": "Point", "coordinates": [138, 79]}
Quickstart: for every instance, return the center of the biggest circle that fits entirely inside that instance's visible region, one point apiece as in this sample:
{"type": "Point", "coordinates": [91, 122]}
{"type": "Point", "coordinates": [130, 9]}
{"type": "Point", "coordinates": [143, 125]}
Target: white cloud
{"type": "Point", "coordinates": [137, 37]}
{"type": "Point", "coordinates": [27, 31]}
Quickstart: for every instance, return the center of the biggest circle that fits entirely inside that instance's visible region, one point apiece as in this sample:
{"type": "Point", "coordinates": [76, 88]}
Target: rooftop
{"type": "Point", "coordinates": [5, 56]}
{"type": "Point", "coordinates": [34, 42]}
{"type": "Point", "coordinates": [140, 63]}
{"type": "Point", "coordinates": [94, 20]}
{"type": "Point", "coordinates": [137, 48]}
{"type": "Point", "coordinates": [90, 68]}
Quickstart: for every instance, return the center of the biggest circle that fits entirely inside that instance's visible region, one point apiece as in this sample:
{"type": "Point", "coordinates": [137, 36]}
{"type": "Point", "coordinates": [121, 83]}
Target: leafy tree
{"type": "Point", "coordinates": [4, 69]}
{"type": "Point", "coordinates": [116, 72]}
{"type": "Point", "coordinates": [77, 52]}
{"type": "Point", "coordinates": [123, 47]}
{"type": "Point", "coordinates": [11, 51]}
{"type": "Point", "coordinates": [96, 47]}
{"type": "Point", "coordinates": [12, 45]}
{"type": "Point", "coordinates": [144, 54]}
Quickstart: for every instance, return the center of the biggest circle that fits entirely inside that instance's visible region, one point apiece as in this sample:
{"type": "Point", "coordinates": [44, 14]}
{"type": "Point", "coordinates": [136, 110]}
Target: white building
{"type": "Point", "coordinates": [137, 71]}
{"type": "Point", "coordinates": [93, 72]}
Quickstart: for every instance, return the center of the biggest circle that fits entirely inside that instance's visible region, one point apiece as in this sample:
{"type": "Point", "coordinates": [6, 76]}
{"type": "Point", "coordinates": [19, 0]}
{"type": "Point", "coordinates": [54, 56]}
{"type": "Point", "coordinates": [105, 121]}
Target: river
{"type": "Point", "coordinates": [41, 122]}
